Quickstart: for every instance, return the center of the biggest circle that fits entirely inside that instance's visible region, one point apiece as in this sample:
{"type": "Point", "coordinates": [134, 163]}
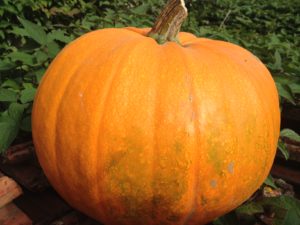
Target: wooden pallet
{"type": "Point", "coordinates": [10, 214]}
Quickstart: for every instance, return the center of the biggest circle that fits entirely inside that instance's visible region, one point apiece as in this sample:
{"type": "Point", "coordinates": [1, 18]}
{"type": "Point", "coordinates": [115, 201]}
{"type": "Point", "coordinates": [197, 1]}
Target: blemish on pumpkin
{"type": "Point", "coordinates": [230, 167]}
{"type": "Point", "coordinates": [163, 205]}
{"type": "Point", "coordinates": [173, 217]}
{"type": "Point", "coordinates": [203, 200]}
{"type": "Point", "coordinates": [115, 159]}
{"type": "Point", "coordinates": [215, 157]}
{"type": "Point", "coordinates": [213, 183]}
{"type": "Point", "coordinates": [178, 147]}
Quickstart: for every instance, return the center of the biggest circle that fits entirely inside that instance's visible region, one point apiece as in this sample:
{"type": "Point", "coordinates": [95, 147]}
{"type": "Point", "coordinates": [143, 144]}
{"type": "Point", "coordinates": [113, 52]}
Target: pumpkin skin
{"type": "Point", "coordinates": [132, 132]}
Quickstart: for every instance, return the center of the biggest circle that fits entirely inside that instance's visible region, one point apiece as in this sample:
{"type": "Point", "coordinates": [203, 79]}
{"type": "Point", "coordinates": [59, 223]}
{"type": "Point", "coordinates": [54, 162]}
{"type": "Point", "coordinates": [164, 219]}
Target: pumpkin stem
{"type": "Point", "coordinates": [168, 23]}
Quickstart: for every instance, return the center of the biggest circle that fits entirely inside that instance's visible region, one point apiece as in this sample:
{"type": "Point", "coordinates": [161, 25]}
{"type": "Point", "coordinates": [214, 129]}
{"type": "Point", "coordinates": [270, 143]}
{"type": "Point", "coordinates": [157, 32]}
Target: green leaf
{"type": "Point", "coordinates": [53, 49]}
{"type": "Point", "coordinates": [290, 134]}
{"type": "Point", "coordinates": [39, 74]}
{"type": "Point", "coordinates": [25, 58]}
{"type": "Point", "coordinates": [228, 219]}
{"type": "Point", "coordinates": [8, 132]}
{"type": "Point", "coordinates": [290, 83]}
{"type": "Point", "coordinates": [26, 124]}
{"type": "Point", "coordinates": [10, 8]}
{"type": "Point", "coordinates": [285, 92]}
{"type": "Point", "coordinates": [250, 208]}
{"type": "Point", "coordinates": [295, 87]}
{"type": "Point", "coordinates": [270, 182]}
{"type": "Point", "coordinates": [27, 95]}
{"type": "Point", "coordinates": [4, 24]}
{"type": "Point", "coordinates": [10, 124]}
{"type": "Point", "coordinates": [41, 56]}
{"type": "Point", "coordinates": [277, 64]}
{"type": "Point", "coordinates": [19, 31]}
{"type": "Point", "coordinates": [59, 35]}
{"type": "Point", "coordinates": [274, 40]}
{"type": "Point", "coordinates": [10, 83]}
{"type": "Point", "coordinates": [27, 85]}
{"type": "Point", "coordinates": [292, 217]}
{"type": "Point", "coordinates": [283, 149]}
{"type": "Point", "coordinates": [6, 65]}
{"type": "Point", "coordinates": [285, 208]}
{"type": "Point", "coordinates": [285, 80]}
{"type": "Point", "coordinates": [34, 31]}
{"type": "Point", "coordinates": [8, 95]}
{"type": "Point", "coordinates": [15, 111]}
{"type": "Point", "coordinates": [140, 10]}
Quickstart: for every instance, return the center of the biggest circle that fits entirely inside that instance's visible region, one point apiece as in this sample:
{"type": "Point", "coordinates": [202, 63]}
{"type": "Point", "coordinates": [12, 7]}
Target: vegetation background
{"type": "Point", "coordinates": [32, 32]}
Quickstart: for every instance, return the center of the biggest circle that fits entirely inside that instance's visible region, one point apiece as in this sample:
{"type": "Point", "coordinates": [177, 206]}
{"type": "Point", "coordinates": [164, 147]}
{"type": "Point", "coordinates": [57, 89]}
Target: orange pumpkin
{"type": "Point", "coordinates": [130, 131]}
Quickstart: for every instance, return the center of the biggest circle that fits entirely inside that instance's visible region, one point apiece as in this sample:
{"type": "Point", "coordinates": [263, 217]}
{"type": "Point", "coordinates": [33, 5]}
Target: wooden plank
{"type": "Point", "coordinates": [19, 153]}
{"type": "Point", "coordinates": [9, 190]}
{"type": "Point", "coordinates": [69, 219]}
{"type": "Point", "coordinates": [290, 118]}
{"type": "Point", "coordinates": [294, 151]}
{"type": "Point", "coordinates": [20, 163]}
{"type": "Point", "coordinates": [75, 218]}
{"type": "Point", "coordinates": [26, 174]}
{"type": "Point", "coordinates": [290, 175]}
{"type": "Point", "coordinates": [42, 207]}
{"type": "Point", "coordinates": [12, 215]}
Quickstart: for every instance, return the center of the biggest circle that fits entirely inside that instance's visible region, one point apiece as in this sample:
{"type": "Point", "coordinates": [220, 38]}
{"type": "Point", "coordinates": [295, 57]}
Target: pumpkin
{"type": "Point", "coordinates": [132, 131]}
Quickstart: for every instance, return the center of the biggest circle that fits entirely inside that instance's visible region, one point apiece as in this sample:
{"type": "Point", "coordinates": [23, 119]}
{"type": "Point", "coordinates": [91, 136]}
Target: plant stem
{"type": "Point", "coordinates": [167, 25]}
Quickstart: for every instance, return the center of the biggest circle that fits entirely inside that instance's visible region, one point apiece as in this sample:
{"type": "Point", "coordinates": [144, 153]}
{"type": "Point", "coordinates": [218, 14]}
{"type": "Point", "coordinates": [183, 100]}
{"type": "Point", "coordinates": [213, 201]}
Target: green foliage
{"type": "Point", "coordinates": [281, 210]}
{"type": "Point", "coordinates": [270, 182]}
{"type": "Point", "coordinates": [228, 219]}
{"type": "Point", "coordinates": [288, 133]}
{"type": "Point", "coordinates": [10, 123]}
{"type": "Point", "coordinates": [286, 208]}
